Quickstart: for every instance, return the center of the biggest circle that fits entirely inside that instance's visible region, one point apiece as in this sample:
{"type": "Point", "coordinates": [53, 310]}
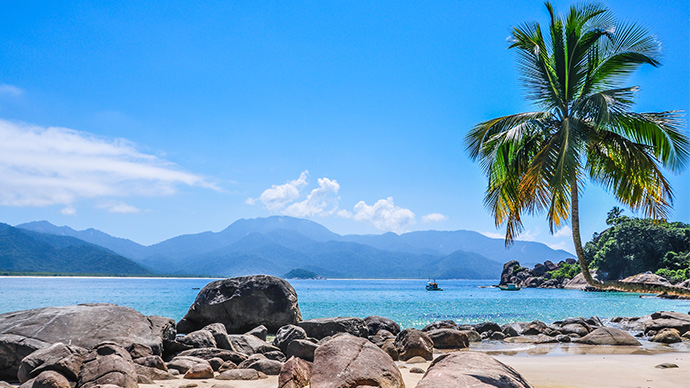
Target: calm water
{"type": "Point", "coordinates": [405, 301]}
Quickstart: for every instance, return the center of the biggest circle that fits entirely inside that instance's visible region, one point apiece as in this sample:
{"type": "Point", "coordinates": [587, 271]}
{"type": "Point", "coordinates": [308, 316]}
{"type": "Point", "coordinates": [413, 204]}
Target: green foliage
{"type": "Point", "coordinates": [635, 245]}
{"type": "Point", "coordinates": [566, 271]}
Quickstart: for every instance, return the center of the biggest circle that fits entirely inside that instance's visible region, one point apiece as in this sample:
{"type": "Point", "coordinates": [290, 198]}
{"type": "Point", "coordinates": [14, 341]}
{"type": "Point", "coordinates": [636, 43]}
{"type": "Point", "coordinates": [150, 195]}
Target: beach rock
{"type": "Point", "coordinates": [295, 373]}
{"type": "Point", "coordinates": [139, 350]}
{"type": "Point", "coordinates": [608, 336]}
{"type": "Point", "coordinates": [575, 328]}
{"type": "Point", "coordinates": [227, 365]}
{"type": "Point", "coordinates": [84, 325]}
{"type": "Point", "coordinates": [108, 363]}
{"type": "Point", "coordinates": [381, 337]}
{"type": "Point", "coordinates": [269, 367]}
{"type": "Point", "coordinates": [208, 353]}
{"type": "Point", "coordinates": [510, 269]}
{"type": "Point", "coordinates": [497, 336]}
{"type": "Point", "coordinates": [243, 303]}
{"type": "Point", "coordinates": [51, 379]}
{"type": "Point", "coordinates": [325, 327]}
{"type": "Point", "coordinates": [241, 374]}
{"type": "Point", "coordinates": [153, 373]}
{"type": "Point", "coordinates": [66, 360]}
{"type": "Point", "coordinates": [376, 323]}
{"type": "Point", "coordinates": [216, 363]}
{"type": "Point", "coordinates": [413, 342]}
{"type": "Point", "coordinates": [275, 355]}
{"type": "Point", "coordinates": [248, 344]}
{"type": "Point", "coordinates": [417, 370]}
{"type": "Point", "coordinates": [486, 327]}
{"type": "Point", "coordinates": [511, 329]}
{"type": "Point", "coordinates": [534, 328]}
{"type": "Point", "coordinates": [449, 339]}
{"type": "Point", "coordinates": [667, 336]}
{"type": "Point", "coordinates": [199, 371]}
{"type": "Point", "coordinates": [579, 282]}
{"type": "Point", "coordinates": [163, 327]}
{"type": "Point", "coordinates": [199, 339]}
{"type": "Point", "coordinates": [13, 349]}
{"type": "Point", "coordinates": [301, 348]}
{"type": "Point", "coordinates": [184, 363]}
{"type": "Point", "coordinates": [563, 338]}
{"type": "Point", "coordinates": [348, 361]}
{"type": "Point", "coordinates": [666, 365]}
{"type": "Point", "coordinates": [647, 278]}
{"type": "Point", "coordinates": [668, 319]}
{"type": "Point", "coordinates": [472, 335]}
{"type": "Point", "coordinates": [551, 283]}
{"type": "Point", "coordinates": [416, 360]}
{"type": "Point", "coordinates": [259, 332]}
{"type": "Point", "coordinates": [686, 336]}
{"type": "Point", "coordinates": [286, 334]}
{"type": "Point", "coordinates": [550, 266]}
{"type": "Point", "coordinates": [684, 284]}
{"type": "Point", "coordinates": [446, 324]}
{"type": "Point", "coordinates": [390, 349]}
{"type": "Point", "coordinates": [152, 362]}
{"type": "Point", "coordinates": [220, 335]}
{"type": "Point", "coordinates": [539, 270]}
{"type": "Point", "coordinates": [470, 369]}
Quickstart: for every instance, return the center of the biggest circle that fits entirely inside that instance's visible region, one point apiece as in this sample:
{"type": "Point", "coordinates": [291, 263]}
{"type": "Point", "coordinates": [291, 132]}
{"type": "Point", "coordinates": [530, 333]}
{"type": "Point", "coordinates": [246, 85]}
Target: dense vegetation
{"type": "Point", "coordinates": [634, 245]}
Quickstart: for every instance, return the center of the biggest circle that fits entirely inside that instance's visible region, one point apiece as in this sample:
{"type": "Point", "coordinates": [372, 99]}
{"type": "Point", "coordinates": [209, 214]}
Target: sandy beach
{"type": "Point", "coordinates": [542, 367]}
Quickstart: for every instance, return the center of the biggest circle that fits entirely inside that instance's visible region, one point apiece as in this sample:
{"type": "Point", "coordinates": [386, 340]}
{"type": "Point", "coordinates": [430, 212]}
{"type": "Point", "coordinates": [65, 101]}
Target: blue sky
{"type": "Point", "coordinates": [152, 119]}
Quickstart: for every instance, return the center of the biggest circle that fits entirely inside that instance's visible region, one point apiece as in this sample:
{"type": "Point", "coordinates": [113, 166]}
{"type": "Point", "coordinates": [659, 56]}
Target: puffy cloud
{"type": "Point", "coordinates": [564, 232]}
{"type": "Point", "coordinates": [434, 217]}
{"type": "Point", "coordinates": [384, 215]}
{"type": "Point", "coordinates": [10, 90]}
{"type": "Point", "coordinates": [322, 200]}
{"type": "Point", "coordinates": [68, 211]}
{"type": "Point", "coordinates": [277, 196]}
{"type": "Point", "coordinates": [46, 166]}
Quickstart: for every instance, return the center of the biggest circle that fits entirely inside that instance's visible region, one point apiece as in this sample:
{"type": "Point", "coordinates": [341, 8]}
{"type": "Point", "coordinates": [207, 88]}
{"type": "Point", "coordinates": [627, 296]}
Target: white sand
{"type": "Point", "coordinates": [570, 370]}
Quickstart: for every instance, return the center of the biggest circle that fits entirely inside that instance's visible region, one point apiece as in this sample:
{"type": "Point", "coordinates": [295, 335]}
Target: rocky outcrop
{"type": "Point", "coordinates": [66, 360]}
{"type": "Point", "coordinates": [647, 278]}
{"type": "Point", "coordinates": [470, 369]}
{"type": "Point", "coordinates": [320, 328]}
{"type": "Point", "coordinates": [242, 304]}
{"type": "Point", "coordinates": [609, 336]}
{"type": "Point", "coordinates": [348, 361]}
{"type": "Point", "coordinates": [668, 319]}
{"type": "Point", "coordinates": [537, 277]}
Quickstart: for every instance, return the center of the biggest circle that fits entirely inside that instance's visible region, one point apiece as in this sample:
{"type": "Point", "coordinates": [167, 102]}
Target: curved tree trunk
{"type": "Point", "coordinates": [609, 284]}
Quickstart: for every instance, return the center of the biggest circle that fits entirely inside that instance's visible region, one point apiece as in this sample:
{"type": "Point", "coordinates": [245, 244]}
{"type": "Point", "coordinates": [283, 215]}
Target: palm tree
{"type": "Point", "coordinates": [539, 161]}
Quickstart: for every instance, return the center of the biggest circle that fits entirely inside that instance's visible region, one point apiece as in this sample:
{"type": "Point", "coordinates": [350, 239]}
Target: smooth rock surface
{"type": "Point", "coordinates": [325, 327]}
{"type": "Point", "coordinates": [609, 336]}
{"type": "Point", "coordinates": [470, 370]}
{"type": "Point", "coordinates": [413, 342]}
{"type": "Point", "coordinates": [108, 363]}
{"type": "Point", "coordinates": [295, 373]}
{"type": "Point", "coordinates": [66, 360]}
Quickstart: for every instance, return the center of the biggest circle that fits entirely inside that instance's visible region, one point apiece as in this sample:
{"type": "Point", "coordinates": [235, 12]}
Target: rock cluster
{"type": "Point", "coordinates": [539, 276]}
{"type": "Point", "coordinates": [51, 351]}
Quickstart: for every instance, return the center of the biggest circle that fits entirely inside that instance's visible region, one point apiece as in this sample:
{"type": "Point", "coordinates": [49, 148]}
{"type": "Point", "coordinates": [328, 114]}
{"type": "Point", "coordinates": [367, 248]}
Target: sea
{"type": "Point", "coordinates": [404, 300]}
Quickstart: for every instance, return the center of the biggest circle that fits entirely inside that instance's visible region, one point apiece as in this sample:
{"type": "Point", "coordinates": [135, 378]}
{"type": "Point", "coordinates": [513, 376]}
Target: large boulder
{"type": "Point", "coordinates": [287, 334]}
{"type": "Point", "coordinates": [209, 353]}
{"type": "Point", "coordinates": [51, 379]}
{"type": "Point", "coordinates": [248, 344]}
{"type": "Point", "coordinates": [470, 370]}
{"type": "Point", "coordinates": [449, 339]}
{"type": "Point", "coordinates": [67, 360]}
{"type": "Point", "coordinates": [446, 324]}
{"type": "Point", "coordinates": [325, 327]}
{"type": "Point", "coordinates": [413, 342]}
{"type": "Point", "coordinates": [13, 349]}
{"type": "Point", "coordinates": [84, 325]}
{"type": "Point", "coordinates": [579, 282]}
{"type": "Point", "coordinates": [609, 336]}
{"type": "Point", "coordinates": [108, 363]}
{"type": "Point", "coordinates": [647, 278]}
{"type": "Point", "coordinates": [376, 323]}
{"type": "Point", "coordinates": [348, 361]}
{"type": "Point", "coordinates": [262, 364]}
{"type": "Point", "coordinates": [668, 319]}
{"type": "Point", "coordinates": [242, 304]}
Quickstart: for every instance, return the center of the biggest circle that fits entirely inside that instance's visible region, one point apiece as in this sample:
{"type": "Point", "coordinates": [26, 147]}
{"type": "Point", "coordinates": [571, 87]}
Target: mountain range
{"type": "Point", "coordinates": [276, 245]}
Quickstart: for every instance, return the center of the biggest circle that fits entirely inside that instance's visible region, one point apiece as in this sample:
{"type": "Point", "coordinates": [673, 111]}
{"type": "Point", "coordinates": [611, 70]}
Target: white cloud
{"type": "Point", "coordinates": [493, 234]}
{"type": "Point", "coordinates": [277, 197]}
{"type": "Point", "coordinates": [434, 217]}
{"type": "Point", "coordinates": [10, 90]}
{"type": "Point", "coordinates": [564, 232]}
{"type": "Point", "coordinates": [384, 215]}
{"type": "Point", "coordinates": [68, 211]}
{"type": "Point", "coordinates": [46, 166]}
{"type": "Point", "coordinates": [321, 201]}
{"type": "Point", "coordinates": [118, 207]}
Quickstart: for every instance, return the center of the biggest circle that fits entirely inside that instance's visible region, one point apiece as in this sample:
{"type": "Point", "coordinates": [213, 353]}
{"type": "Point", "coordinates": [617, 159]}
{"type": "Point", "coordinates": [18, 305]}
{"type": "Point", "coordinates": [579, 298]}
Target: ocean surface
{"type": "Point", "coordinates": [405, 301]}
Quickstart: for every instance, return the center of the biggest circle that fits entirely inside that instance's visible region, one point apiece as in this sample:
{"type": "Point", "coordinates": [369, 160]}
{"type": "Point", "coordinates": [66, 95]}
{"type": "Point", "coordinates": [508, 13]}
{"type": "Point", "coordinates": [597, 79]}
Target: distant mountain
{"type": "Point", "coordinates": [23, 250]}
{"type": "Point", "coordinates": [276, 245]}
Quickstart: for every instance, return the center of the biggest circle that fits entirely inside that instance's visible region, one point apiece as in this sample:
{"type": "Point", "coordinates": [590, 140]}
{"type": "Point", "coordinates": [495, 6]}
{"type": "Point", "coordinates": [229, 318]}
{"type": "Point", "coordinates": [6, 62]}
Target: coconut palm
{"type": "Point", "coordinates": [540, 161]}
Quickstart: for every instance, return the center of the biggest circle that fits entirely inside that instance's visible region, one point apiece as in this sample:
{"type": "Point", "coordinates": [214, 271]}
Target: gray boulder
{"type": "Point", "coordinates": [199, 339]}
{"type": "Point", "coordinates": [248, 344]}
{"type": "Point", "coordinates": [51, 379]}
{"type": "Point", "coordinates": [325, 327]}
{"type": "Point", "coordinates": [295, 373]}
{"type": "Point", "coordinates": [348, 361]}
{"type": "Point", "coordinates": [220, 335]}
{"type": "Point", "coordinates": [413, 342]}
{"type": "Point", "coordinates": [446, 324]}
{"type": "Point", "coordinates": [184, 363]}
{"type": "Point", "coordinates": [209, 353]}
{"type": "Point", "coordinates": [108, 363]}
{"type": "Point", "coordinates": [13, 349]}
{"type": "Point", "coordinates": [375, 323]}
{"type": "Point", "coordinates": [608, 336]}
{"type": "Point", "coordinates": [470, 369]}
{"type": "Point", "coordinates": [66, 360]}
{"type": "Point", "coordinates": [668, 319]}
{"type": "Point", "coordinates": [486, 327]}
{"type": "Point", "coordinates": [301, 348]}
{"type": "Point", "coordinates": [243, 303]}
{"type": "Point", "coordinates": [667, 336]}
{"type": "Point", "coordinates": [262, 364]}
{"type": "Point", "coordinates": [449, 339]}
{"type": "Point", "coordinates": [259, 332]}
{"type": "Point", "coordinates": [241, 374]}
{"type": "Point", "coordinates": [286, 334]}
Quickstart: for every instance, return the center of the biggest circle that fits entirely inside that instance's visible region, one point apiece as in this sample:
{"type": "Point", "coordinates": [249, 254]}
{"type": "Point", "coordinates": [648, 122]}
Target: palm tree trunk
{"type": "Point", "coordinates": [609, 284]}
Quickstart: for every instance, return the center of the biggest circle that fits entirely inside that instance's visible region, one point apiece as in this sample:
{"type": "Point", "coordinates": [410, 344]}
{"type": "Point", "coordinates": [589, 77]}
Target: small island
{"type": "Point", "coordinates": [300, 273]}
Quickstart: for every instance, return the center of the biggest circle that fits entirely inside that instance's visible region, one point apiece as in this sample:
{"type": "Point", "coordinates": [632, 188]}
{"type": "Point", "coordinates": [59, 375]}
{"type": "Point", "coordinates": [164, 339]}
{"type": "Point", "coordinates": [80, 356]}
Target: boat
{"type": "Point", "coordinates": [509, 287]}
{"type": "Point", "coordinates": [433, 286]}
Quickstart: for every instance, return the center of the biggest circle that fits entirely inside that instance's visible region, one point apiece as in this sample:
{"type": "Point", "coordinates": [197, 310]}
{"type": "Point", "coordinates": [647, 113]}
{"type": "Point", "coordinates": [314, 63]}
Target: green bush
{"type": "Point", "coordinates": [566, 270]}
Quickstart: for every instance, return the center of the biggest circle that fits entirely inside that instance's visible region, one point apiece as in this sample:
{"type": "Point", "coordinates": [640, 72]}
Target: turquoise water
{"type": "Point", "coordinates": [405, 301]}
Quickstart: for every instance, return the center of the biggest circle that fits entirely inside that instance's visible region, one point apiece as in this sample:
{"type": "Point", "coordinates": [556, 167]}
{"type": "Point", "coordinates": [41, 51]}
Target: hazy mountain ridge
{"type": "Point", "coordinates": [278, 244]}
{"type": "Point", "coordinates": [22, 250]}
